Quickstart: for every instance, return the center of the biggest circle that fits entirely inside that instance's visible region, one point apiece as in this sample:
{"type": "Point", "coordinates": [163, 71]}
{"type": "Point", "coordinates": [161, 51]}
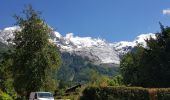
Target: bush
{"type": "Point", "coordinates": [116, 81]}
{"type": "Point", "coordinates": [115, 93]}
{"type": "Point", "coordinates": [163, 94]}
{"type": "Point", "coordinates": [4, 96]}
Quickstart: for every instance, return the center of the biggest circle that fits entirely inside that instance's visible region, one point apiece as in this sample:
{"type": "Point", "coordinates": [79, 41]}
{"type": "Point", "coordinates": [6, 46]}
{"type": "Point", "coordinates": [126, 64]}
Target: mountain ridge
{"type": "Point", "coordinates": [96, 49]}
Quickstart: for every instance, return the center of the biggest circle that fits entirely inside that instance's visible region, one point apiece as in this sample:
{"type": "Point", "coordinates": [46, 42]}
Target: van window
{"type": "Point", "coordinates": [35, 96]}
{"type": "Point", "coordinates": [45, 95]}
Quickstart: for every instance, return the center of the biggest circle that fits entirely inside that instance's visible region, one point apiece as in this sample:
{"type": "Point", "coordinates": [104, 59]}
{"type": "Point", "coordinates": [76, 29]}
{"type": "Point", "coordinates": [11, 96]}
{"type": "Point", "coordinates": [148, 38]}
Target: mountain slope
{"type": "Point", "coordinates": [78, 69]}
{"type": "Point", "coordinates": [97, 50]}
{"type": "Point", "coordinates": [123, 47]}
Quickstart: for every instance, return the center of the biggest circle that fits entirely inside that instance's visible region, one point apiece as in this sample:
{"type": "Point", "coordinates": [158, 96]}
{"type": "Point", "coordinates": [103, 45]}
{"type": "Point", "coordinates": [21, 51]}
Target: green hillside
{"type": "Point", "coordinates": [76, 69]}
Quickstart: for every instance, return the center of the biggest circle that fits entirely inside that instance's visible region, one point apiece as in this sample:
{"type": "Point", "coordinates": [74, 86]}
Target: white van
{"type": "Point", "coordinates": [41, 96]}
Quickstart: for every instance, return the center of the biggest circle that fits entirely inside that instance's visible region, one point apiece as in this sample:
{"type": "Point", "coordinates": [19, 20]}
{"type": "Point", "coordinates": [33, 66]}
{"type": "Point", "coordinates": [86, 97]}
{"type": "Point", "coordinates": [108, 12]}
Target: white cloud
{"type": "Point", "coordinates": [166, 11]}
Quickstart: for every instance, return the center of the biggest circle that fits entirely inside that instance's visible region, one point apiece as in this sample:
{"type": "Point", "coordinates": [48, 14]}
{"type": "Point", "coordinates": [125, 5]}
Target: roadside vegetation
{"type": "Point", "coordinates": [149, 66]}
{"type": "Point", "coordinates": [31, 63]}
{"type": "Point", "coordinates": [145, 73]}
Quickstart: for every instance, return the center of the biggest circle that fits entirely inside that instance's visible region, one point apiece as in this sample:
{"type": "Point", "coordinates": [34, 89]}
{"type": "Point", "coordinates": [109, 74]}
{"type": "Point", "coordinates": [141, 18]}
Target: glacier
{"type": "Point", "coordinates": [98, 50]}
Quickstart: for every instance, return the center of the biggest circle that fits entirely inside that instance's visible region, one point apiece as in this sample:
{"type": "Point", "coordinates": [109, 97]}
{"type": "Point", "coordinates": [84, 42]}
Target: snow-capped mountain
{"type": "Point", "coordinates": [7, 33]}
{"type": "Point", "coordinates": [97, 50]}
{"type": "Point", "coordinates": [123, 47]}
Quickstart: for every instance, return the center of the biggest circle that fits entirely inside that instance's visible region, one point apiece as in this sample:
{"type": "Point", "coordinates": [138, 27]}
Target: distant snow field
{"type": "Point", "coordinates": [96, 49]}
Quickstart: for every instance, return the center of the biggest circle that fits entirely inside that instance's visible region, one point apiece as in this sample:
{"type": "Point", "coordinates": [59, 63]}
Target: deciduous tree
{"type": "Point", "coordinates": [35, 58]}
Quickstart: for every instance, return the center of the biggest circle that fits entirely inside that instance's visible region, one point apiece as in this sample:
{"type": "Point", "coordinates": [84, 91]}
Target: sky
{"type": "Point", "coordinates": [112, 20]}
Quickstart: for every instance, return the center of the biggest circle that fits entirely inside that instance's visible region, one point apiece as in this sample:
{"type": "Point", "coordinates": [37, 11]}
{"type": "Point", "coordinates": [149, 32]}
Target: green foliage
{"type": "Point", "coordinates": [116, 81]}
{"type": "Point", "coordinates": [5, 73]}
{"type": "Point", "coordinates": [87, 75]}
{"type": "Point", "coordinates": [115, 93]}
{"type": "Point", "coordinates": [149, 67]}
{"type": "Point", "coordinates": [6, 79]}
{"type": "Point", "coordinates": [163, 94]}
{"type": "Point", "coordinates": [76, 69]}
{"type": "Point", "coordinates": [101, 80]}
{"type": "Point", "coordinates": [4, 96]}
{"type": "Point", "coordinates": [3, 49]}
{"type": "Point", "coordinates": [35, 58]}
{"type": "Point", "coordinates": [131, 67]}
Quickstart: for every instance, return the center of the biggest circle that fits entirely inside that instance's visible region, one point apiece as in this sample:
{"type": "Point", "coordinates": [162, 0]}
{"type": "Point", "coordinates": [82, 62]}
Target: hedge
{"type": "Point", "coordinates": [115, 93]}
{"type": "Point", "coordinates": [163, 94]}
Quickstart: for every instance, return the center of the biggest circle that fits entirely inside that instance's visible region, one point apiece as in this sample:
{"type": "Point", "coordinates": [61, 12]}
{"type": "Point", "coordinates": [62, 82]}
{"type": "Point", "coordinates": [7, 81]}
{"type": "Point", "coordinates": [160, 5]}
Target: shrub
{"type": "Point", "coordinates": [125, 93]}
{"type": "Point", "coordinates": [115, 93]}
{"type": "Point", "coordinates": [4, 96]}
{"type": "Point", "coordinates": [116, 81]}
{"type": "Point", "coordinates": [163, 94]}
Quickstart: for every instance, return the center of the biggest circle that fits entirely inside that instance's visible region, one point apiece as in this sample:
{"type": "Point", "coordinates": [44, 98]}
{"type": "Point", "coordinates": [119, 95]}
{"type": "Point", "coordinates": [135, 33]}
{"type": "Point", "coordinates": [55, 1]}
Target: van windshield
{"type": "Point", "coordinates": [45, 95]}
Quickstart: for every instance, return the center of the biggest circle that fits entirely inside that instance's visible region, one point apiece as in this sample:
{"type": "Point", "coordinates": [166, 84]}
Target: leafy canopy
{"type": "Point", "coordinates": [150, 66]}
{"type": "Point", "coordinates": [35, 58]}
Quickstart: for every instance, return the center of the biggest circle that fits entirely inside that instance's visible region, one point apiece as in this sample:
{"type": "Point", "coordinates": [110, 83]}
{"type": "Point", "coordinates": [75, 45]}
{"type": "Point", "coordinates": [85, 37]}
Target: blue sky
{"type": "Point", "coordinates": [112, 20]}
